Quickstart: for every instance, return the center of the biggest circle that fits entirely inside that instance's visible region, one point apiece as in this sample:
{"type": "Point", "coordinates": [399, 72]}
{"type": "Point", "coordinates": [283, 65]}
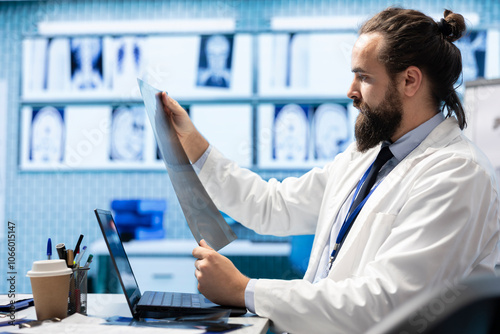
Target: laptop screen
{"type": "Point", "coordinates": [119, 257]}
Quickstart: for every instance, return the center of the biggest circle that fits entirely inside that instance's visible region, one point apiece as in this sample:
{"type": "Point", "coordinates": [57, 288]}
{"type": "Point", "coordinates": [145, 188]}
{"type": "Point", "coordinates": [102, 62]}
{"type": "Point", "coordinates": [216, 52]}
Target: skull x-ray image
{"type": "Point", "coordinates": [330, 130]}
{"type": "Point", "coordinates": [86, 63]}
{"type": "Point", "coordinates": [215, 61]}
{"type": "Point", "coordinates": [47, 135]}
{"type": "Point", "coordinates": [290, 133]}
{"type": "Point", "coordinates": [127, 134]}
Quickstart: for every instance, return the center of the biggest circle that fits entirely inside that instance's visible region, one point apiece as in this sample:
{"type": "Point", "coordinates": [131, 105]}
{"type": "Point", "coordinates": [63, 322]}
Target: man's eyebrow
{"type": "Point", "coordinates": [357, 70]}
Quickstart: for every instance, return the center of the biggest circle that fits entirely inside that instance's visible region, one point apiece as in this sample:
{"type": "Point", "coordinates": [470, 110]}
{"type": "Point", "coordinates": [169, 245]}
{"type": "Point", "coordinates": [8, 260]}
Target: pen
{"type": "Point", "coordinates": [89, 261]}
{"type": "Point", "coordinates": [79, 256]}
{"type": "Point", "coordinates": [77, 247]}
{"type": "Point", "coordinates": [49, 249]}
{"type": "Point", "coordinates": [69, 258]}
{"type": "Point", "coordinates": [61, 251]}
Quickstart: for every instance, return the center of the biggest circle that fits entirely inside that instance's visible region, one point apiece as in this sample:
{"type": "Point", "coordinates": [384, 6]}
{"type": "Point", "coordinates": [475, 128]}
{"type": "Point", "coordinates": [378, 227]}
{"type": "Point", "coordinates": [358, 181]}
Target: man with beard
{"type": "Point", "coordinates": [429, 215]}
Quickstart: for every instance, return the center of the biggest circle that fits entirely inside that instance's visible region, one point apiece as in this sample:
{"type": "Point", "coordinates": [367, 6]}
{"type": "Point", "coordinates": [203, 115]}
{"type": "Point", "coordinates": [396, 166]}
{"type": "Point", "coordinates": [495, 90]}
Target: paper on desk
{"type": "Point", "coordinates": [203, 217]}
{"type": "Point", "coordinates": [78, 323]}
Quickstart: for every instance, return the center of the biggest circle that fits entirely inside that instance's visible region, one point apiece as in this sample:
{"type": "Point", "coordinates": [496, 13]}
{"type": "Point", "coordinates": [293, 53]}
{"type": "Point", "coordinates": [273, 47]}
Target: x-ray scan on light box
{"type": "Point", "coordinates": [58, 69]}
{"type": "Point", "coordinates": [305, 64]}
{"type": "Point", "coordinates": [212, 66]}
{"type": "Point", "coordinates": [43, 137]}
{"type": "Point", "coordinates": [87, 137]}
{"type": "Point", "coordinates": [125, 61]}
{"type": "Point", "coordinates": [228, 127]}
{"type": "Point", "coordinates": [480, 53]}
{"type": "Point", "coordinates": [87, 66]}
{"type": "Point", "coordinates": [127, 135]}
{"type": "Point", "coordinates": [330, 131]}
{"type": "Point", "coordinates": [46, 67]}
{"type": "Point", "coordinates": [302, 136]}
{"type": "Point", "coordinates": [283, 136]}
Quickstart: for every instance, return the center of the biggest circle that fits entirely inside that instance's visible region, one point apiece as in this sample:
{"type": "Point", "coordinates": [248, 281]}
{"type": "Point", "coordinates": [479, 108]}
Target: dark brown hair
{"type": "Point", "coordinates": [412, 38]}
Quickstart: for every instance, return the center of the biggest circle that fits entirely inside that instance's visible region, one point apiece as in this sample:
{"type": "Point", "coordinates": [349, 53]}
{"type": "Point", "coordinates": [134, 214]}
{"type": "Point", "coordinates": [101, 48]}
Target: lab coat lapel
{"type": "Point", "coordinates": [335, 196]}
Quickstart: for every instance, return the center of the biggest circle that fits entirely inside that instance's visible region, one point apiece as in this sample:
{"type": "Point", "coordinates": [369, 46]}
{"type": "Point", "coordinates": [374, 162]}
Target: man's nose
{"type": "Point", "coordinates": [353, 92]}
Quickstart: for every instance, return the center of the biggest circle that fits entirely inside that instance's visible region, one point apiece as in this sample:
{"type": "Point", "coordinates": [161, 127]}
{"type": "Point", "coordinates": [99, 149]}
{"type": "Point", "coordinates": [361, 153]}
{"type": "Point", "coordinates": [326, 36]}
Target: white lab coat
{"type": "Point", "coordinates": [434, 219]}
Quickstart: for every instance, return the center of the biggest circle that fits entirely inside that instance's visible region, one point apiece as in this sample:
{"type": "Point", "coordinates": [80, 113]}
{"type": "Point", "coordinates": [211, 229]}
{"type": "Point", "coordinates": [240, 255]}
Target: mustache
{"type": "Point", "coordinates": [359, 104]}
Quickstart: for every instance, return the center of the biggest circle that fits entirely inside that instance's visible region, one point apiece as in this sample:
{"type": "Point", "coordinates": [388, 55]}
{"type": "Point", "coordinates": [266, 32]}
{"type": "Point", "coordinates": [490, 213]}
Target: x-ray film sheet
{"type": "Point", "coordinates": [203, 217]}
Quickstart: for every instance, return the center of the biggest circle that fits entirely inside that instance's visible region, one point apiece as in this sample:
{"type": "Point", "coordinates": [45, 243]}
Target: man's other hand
{"type": "Point", "coordinates": [218, 279]}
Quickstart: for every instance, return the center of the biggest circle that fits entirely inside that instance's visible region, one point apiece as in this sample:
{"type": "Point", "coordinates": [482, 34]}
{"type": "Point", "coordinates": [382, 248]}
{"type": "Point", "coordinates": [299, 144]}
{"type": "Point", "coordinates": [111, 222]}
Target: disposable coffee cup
{"type": "Point", "coordinates": [50, 286]}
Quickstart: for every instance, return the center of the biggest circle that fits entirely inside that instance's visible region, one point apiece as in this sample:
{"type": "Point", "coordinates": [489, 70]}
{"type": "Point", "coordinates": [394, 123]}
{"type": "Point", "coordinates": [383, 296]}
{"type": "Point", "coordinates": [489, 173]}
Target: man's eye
{"type": "Point", "coordinates": [362, 77]}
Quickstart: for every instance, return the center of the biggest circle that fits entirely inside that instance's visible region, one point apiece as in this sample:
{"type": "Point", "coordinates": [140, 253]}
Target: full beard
{"type": "Point", "coordinates": [374, 125]}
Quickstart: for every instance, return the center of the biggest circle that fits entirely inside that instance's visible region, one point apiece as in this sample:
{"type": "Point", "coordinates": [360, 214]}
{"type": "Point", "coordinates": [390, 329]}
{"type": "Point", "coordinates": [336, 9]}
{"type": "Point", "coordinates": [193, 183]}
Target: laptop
{"type": "Point", "coordinates": [151, 304]}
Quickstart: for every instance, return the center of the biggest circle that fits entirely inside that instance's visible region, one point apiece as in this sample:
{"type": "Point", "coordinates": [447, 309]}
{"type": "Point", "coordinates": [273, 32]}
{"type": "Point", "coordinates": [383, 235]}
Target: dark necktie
{"type": "Point", "coordinates": [383, 156]}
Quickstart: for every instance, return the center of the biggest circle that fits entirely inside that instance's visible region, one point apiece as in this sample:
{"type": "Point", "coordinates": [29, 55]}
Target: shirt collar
{"type": "Point", "coordinates": [408, 142]}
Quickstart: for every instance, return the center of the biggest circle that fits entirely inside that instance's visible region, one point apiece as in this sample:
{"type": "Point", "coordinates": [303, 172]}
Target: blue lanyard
{"type": "Point", "coordinates": [349, 219]}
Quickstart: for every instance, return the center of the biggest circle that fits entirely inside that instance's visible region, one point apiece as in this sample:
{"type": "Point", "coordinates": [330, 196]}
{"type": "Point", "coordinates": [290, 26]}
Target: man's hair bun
{"type": "Point", "coordinates": [452, 26]}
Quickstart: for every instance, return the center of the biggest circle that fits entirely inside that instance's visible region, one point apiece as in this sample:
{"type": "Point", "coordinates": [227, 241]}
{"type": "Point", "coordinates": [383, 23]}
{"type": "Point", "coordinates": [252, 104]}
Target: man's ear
{"type": "Point", "coordinates": [413, 80]}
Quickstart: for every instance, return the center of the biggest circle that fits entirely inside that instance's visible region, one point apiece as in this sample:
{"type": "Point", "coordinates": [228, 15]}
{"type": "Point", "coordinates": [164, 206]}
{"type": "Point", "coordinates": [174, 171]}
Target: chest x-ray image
{"type": "Point", "coordinates": [86, 63]}
{"type": "Point", "coordinates": [47, 135]}
{"type": "Point", "coordinates": [215, 61]}
{"type": "Point", "coordinates": [473, 50]}
{"type": "Point", "coordinates": [127, 62]}
{"type": "Point", "coordinates": [127, 134]}
{"type": "Point", "coordinates": [330, 130]}
{"type": "Point", "coordinates": [290, 133]}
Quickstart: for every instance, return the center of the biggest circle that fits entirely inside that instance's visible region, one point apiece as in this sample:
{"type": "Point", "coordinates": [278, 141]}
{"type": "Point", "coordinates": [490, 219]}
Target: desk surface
{"type": "Point", "coordinates": [101, 306]}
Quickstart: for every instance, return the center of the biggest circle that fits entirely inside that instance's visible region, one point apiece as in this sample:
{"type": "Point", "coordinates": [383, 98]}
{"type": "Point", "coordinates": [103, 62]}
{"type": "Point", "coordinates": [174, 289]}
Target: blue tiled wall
{"type": "Point", "coordinates": [59, 205]}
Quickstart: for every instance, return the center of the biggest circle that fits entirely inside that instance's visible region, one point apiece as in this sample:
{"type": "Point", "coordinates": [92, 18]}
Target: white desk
{"type": "Point", "coordinates": [101, 306]}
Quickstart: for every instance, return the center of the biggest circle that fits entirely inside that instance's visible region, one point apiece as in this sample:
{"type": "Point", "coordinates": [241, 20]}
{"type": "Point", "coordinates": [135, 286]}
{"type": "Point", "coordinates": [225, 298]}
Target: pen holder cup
{"type": "Point", "coordinates": [77, 301]}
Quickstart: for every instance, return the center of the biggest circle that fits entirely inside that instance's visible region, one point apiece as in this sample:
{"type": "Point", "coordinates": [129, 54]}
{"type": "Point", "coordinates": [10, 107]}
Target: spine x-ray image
{"type": "Point", "coordinates": [47, 135]}
{"type": "Point", "coordinates": [127, 134]}
{"type": "Point", "coordinates": [215, 61]}
{"type": "Point", "coordinates": [86, 63]}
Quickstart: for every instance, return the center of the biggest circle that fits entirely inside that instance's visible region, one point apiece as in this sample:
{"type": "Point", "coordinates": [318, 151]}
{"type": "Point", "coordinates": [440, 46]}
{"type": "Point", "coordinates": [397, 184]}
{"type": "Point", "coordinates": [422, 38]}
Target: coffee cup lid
{"type": "Point", "coordinates": [47, 268]}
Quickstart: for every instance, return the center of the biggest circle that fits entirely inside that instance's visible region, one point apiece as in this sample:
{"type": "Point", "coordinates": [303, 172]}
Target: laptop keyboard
{"type": "Point", "coordinates": [175, 299]}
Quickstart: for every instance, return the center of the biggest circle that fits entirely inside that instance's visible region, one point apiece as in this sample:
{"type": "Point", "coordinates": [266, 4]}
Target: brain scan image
{"type": "Point", "coordinates": [290, 133]}
{"type": "Point", "coordinates": [331, 130]}
{"type": "Point", "coordinates": [127, 134]}
{"type": "Point", "coordinates": [47, 135]}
